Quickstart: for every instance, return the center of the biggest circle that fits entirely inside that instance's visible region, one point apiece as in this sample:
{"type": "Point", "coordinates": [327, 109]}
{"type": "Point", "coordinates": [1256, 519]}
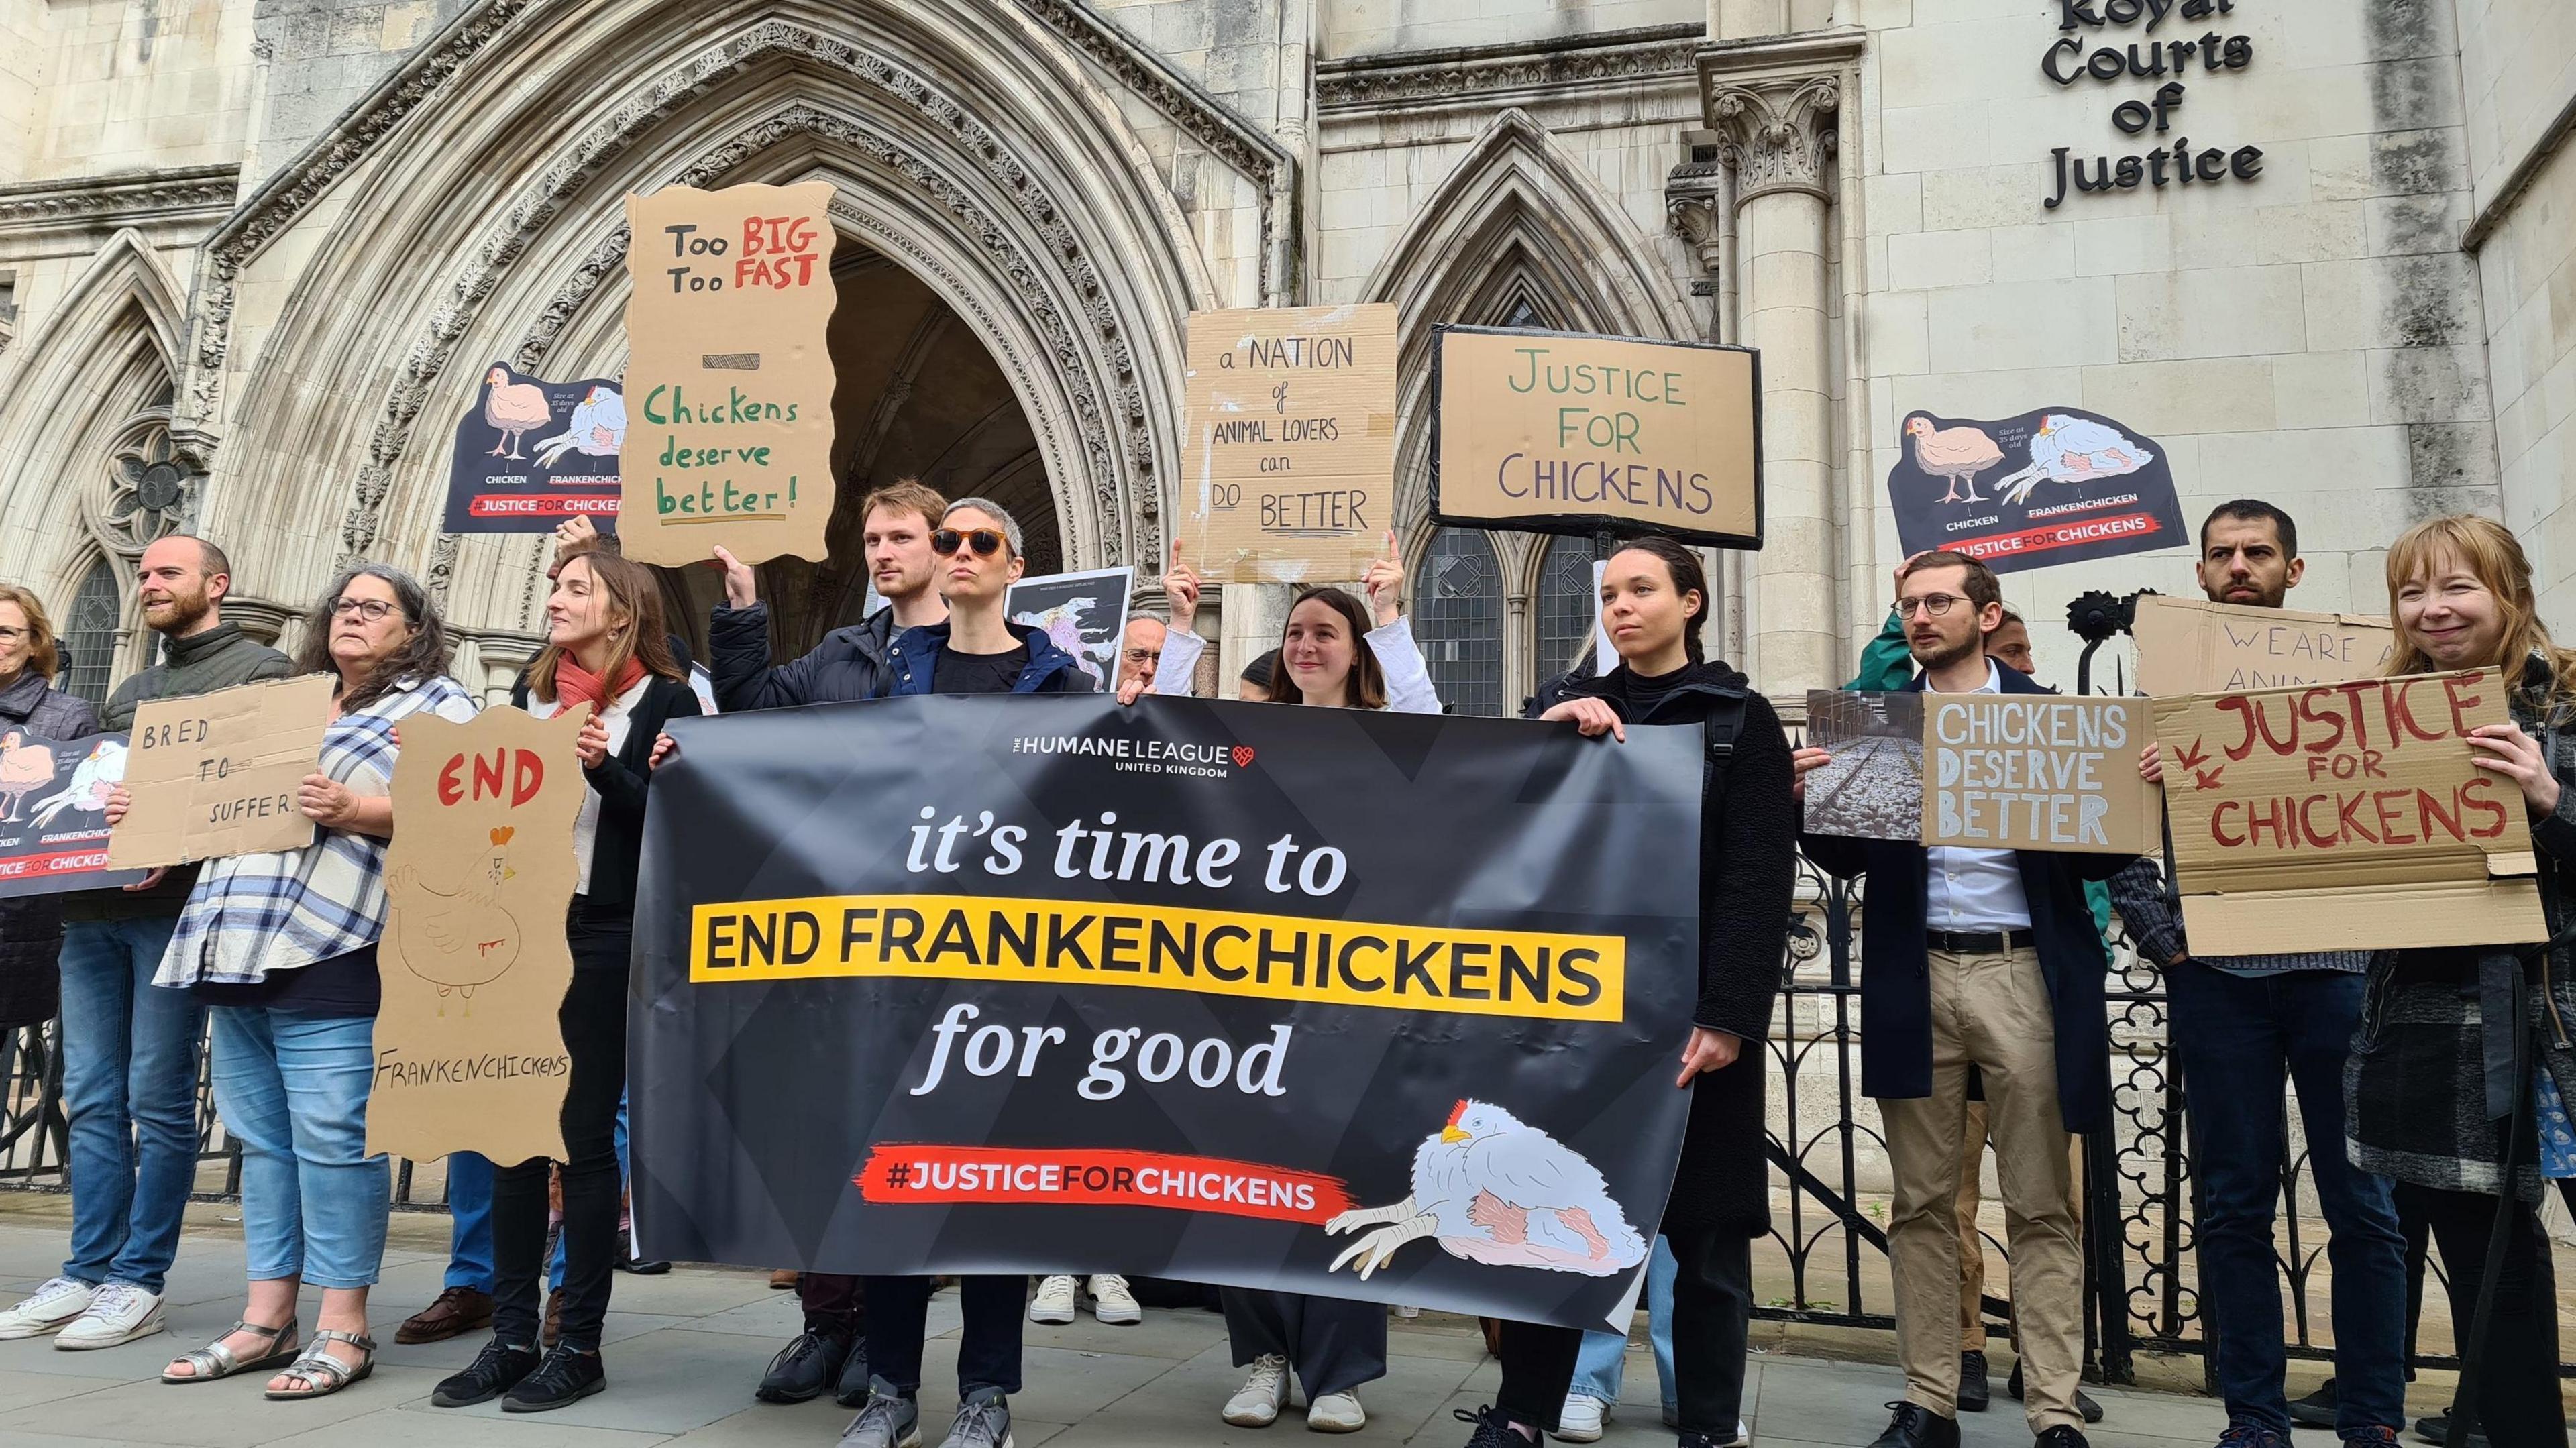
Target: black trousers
{"type": "Point", "coordinates": [2518, 1404]}
{"type": "Point", "coordinates": [1712, 1313]}
{"type": "Point", "coordinates": [988, 1352]}
{"type": "Point", "coordinates": [594, 1033]}
{"type": "Point", "coordinates": [833, 1303]}
{"type": "Point", "coordinates": [1334, 1344]}
{"type": "Point", "coordinates": [1538, 1366]}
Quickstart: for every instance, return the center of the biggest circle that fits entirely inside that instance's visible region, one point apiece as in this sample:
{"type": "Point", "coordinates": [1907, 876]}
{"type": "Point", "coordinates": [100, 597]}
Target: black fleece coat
{"type": "Point", "coordinates": [1748, 859]}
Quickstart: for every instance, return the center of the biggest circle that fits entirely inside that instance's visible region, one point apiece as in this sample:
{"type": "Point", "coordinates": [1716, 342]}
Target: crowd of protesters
{"type": "Point", "coordinates": [2431, 1082]}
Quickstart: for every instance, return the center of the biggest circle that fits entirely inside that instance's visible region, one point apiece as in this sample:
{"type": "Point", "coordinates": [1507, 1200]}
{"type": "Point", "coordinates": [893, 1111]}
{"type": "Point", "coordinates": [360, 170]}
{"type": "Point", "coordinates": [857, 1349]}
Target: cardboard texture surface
{"type": "Point", "coordinates": [215, 774]}
{"type": "Point", "coordinates": [2349, 815]}
{"type": "Point", "coordinates": [469, 1051]}
{"type": "Point", "coordinates": [729, 379]}
{"type": "Point", "coordinates": [1288, 454]}
{"type": "Point", "coordinates": [1560, 433]}
{"type": "Point", "coordinates": [1871, 786]}
{"type": "Point", "coordinates": [2191, 646]}
{"type": "Point", "coordinates": [2024, 772]}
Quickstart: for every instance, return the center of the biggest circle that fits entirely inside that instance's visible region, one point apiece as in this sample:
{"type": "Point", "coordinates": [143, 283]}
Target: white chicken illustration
{"type": "Point", "coordinates": [513, 409]}
{"type": "Point", "coordinates": [468, 938]}
{"type": "Point", "coordinates": [1496, 1191]}
{"type": "Point", "coordinates": [24, 769]}
{"type": "Point", "coordinates": [2070, 449]}
{"type": "Point", "coordinates": [93, 779]}
{"type": "Point", "coordinates": [597, 429]}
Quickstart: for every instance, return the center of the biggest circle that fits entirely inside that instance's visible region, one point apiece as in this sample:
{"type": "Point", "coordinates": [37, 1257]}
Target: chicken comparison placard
{"type": "Point", "coordinates": [531, 453]}
{"type": "Point", "coordinates": [2059, 485]}
{"type": "Point", "coordinates": [1204, 990]}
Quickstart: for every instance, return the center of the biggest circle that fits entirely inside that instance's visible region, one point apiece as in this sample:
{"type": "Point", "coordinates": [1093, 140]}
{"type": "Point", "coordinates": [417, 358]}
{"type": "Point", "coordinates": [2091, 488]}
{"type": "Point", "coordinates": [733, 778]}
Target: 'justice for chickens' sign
{"type": "Point", "coordinates": [2061, 485]}
{"type": "Point", "coordinates": [1198, 989]}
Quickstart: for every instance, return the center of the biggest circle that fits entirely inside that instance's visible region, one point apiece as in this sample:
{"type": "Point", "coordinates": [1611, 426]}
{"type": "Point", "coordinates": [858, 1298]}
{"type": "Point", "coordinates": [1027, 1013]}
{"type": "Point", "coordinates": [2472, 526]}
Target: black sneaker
{"type": "Point", "coordinates": [564, 1378]}
{"type": "Point", "coordinates": [1975, 1392]}
{"type": "Point", "coordinates": [2317, 1409]}
{"type": "Point", "coordinates": [853, 1389]}
{"type": "Point", "coordinates": [2061, 1436]}
{"type": "Point", "coordinates": [494, 1371]}
{"type": "Point", "coordinates": [1493, 1429]}
{"type": "Point", "coordinates": [2437, 1429]}
{"type": "Point", "coordinates": [1911, 1425]}
{"type": "Point", "coordinates": [804, 1368]}
{"type": "Point", "coordinates": [2084, 1403]}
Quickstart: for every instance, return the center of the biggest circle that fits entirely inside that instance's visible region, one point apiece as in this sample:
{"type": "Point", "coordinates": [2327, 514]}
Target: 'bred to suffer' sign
{"type": "Point", "coordinates": [2349, 813]}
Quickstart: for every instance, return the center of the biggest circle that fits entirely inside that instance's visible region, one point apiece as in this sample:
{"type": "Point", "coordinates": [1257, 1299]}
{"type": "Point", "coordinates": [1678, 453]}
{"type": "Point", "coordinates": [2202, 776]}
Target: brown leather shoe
{"type": "Point", "coordinates": [783, 1280]}
{"type": "Point", "coordinates": [553, 1331]}
{"type": "Point", "coordinates": [457, 1310]}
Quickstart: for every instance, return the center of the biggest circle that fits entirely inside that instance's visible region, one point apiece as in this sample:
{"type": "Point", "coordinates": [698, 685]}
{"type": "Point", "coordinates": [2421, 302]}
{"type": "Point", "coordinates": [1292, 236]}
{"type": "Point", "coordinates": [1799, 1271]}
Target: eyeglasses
{"type": "Point", "coordinates": [985, 541]}
{"type": "Point", "coordinates": [11, 635]}
{"type": "Point", "coordinates": [1143, 656]}
{"type": "Point", "coordinates": [372, 610]}
{"type": "Point", "coordinates": [1933, 604]}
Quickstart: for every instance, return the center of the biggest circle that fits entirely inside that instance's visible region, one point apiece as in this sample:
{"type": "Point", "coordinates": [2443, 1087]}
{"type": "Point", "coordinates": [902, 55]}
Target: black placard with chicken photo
{"type": "Point", "coordinates": [1371, 1005]}
{"type": "Point", "coordinates": [531, 453]}
{"type": "Point", "coordinates": [2060, 485]}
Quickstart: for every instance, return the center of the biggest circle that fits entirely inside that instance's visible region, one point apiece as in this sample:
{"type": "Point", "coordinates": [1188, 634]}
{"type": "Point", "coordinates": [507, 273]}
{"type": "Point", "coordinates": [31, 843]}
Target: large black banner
{"type": "Point", "coordinates": [1371, 1005]}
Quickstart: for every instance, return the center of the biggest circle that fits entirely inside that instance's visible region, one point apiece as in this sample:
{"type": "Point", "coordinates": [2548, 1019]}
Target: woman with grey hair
{"type": "Point", "coordinates": [282, 948]}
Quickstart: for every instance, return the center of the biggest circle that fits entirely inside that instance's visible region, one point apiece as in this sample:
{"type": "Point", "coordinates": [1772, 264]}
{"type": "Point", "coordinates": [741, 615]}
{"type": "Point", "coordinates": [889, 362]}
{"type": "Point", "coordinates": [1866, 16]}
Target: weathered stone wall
{"type": "Point", "coordinates": [321, 56]}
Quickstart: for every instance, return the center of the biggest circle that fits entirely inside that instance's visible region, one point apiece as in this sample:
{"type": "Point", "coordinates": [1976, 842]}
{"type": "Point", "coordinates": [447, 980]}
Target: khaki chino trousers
{"type": "Point", "coordinates": [1991, 1011]}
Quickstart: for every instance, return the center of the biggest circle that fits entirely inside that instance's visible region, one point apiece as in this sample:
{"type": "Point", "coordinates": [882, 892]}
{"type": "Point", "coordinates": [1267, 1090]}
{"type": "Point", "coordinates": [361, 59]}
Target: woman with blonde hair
{"type": "Point", "coordinates": [2463, 1063]}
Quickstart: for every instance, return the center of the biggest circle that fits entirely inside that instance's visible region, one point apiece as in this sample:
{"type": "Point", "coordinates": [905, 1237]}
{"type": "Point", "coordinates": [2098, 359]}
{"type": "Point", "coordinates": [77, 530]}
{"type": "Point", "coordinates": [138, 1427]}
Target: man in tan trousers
{"type": "Point", "coordinates": [1990, 959]}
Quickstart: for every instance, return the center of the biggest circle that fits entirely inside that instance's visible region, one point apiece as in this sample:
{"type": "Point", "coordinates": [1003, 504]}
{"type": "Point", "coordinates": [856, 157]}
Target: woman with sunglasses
{"type": "Point", "coordinates": [978, 650]}
{"type": "Point", "coordinates": [282, 947]}
{"type": "Point", "coordinates": [1331, 651]}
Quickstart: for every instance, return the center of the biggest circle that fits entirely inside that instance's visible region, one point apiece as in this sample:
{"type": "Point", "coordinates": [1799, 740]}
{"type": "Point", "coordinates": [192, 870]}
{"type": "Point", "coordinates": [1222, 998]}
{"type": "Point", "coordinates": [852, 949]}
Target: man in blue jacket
{"type": "Point", "coordinates": [1986, 959]}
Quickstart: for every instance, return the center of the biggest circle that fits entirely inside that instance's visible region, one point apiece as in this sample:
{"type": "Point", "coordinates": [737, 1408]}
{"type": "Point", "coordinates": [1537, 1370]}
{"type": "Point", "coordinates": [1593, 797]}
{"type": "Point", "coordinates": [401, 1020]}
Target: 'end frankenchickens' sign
{"type": "Point", "coordinates": [2060, 485]}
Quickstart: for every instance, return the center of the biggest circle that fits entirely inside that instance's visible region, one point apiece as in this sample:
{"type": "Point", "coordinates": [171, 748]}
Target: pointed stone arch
{"type": "Point", "coordinates": [950, 131]}
{"type": "Point", "coordinates": [98, 373]}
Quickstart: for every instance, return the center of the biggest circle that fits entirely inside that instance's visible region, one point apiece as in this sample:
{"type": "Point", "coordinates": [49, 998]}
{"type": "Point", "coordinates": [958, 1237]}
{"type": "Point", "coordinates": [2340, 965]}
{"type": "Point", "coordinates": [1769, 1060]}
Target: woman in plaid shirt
{"type": "Point", "coordinates": [282, 948]}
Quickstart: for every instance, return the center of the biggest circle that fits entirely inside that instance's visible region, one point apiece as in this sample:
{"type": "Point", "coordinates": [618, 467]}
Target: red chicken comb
{"type": "Point", "coordinates": [1457, 1111]}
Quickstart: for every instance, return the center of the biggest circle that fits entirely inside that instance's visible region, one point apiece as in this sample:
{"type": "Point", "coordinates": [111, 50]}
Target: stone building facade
{"type": "Point", "coordinates": [255, 256]}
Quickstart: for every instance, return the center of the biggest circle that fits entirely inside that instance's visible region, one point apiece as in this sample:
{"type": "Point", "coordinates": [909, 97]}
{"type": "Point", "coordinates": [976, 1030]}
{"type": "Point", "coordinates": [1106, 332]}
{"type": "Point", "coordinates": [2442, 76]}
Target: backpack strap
{"type": "Point", "coordinates": [1723, 727]}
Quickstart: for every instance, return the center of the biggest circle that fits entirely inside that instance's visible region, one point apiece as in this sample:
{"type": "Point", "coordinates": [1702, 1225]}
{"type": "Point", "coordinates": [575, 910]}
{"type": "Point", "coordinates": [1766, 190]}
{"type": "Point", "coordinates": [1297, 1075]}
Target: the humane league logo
{"type": "Point", "coordinates": [1144, 756]}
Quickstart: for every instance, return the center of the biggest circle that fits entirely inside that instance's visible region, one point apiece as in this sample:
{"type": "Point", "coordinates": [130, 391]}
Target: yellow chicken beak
{"type": "Point", "coordinates": [509, 874]}
{"type": "Point", "coordinates": [1452, 1135]}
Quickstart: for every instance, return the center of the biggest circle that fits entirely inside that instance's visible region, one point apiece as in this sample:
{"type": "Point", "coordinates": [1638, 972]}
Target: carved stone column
{"type": "Point", "coordinates": [1775, 107]}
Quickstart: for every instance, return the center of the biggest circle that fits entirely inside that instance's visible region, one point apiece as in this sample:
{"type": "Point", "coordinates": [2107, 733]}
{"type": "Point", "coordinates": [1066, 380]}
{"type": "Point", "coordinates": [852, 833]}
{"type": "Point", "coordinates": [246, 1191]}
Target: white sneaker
{"type": "Point", "coordinates": [1054, 1302]}
{"type": "Point", "coordinates": [1257, 1405]}
{"type": "Point", "coordinates": [50, 1310]}
{"type": "Point", "coordinates": [1581, 1418]}
{"type": "Point", "coordinates": [1112, 1303]}
{"type": "Point", "coordinates": [119, 1312]}
{"type": "Point", "coordinates": [1336, 1413]}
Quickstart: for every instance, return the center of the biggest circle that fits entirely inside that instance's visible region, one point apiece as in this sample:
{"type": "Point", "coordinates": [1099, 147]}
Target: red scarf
{"type": "Point", "coordinates": [577, 685]}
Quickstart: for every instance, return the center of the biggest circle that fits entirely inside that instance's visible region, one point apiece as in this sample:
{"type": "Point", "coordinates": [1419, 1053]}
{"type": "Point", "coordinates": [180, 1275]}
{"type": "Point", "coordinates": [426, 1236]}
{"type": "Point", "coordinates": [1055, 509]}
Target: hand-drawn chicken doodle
{"type": "Point", "coordinates": [1495, 1191]}
{"type": "Point", "coordinates": [93, 779]}
{"type": "Point", "coordinates": [24, 769]}
{"type": "Point", "coordinates": [2072, 450]}
{"type": "Point", "coordinates": [467, 940]}
{"type": "Point", "coordinates": [597, 429]}
{"type": "Point", "coordinates": [513, 409]}
{"type": "Point", "coordinates": [1956, 453]}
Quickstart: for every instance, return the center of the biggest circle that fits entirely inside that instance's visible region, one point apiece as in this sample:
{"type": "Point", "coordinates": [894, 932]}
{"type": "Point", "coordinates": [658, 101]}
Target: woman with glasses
{"type": "Point", "coordinates": [282, 947]}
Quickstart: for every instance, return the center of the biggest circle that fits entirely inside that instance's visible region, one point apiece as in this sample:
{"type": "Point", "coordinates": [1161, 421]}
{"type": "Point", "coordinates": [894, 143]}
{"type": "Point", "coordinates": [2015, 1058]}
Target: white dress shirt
{"type": "Point", "coordinates": [1974, 889]}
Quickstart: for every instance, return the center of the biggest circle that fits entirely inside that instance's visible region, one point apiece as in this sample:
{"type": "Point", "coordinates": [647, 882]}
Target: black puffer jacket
{"type": "Point", "coordinates": [849, 664]}
{"type": "Point", "coordinates": [1748, 859]}
{"type": "Point", "coordinates": [31, 927]}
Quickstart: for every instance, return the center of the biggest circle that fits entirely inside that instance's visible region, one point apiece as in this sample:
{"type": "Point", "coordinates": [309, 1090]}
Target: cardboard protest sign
{"type": "Point", "coordinates": [2192, 646]}
{"type": "Point", "coordinates": [2062, 486]}
{"type": "Point", "coordinates": [1871, 787]}
{"type": "Point", "coordinates": [532, 453]}
{"type": "Point", "coordinates": [1085, 613]}
{"type": "Point", "coordinates": [215, 774]}
{"type": "Point", "coordinates": [469, 1052]}
{"type": "Point", "coordinates": [1555, 432]}
{"type": "Point", "coordinates": [2038, 772]}
{"type": "Point", "coordinates": [731, 431]}
{"type": "Point", "coordinates": [2351, 814]}
{"type": "Point", "coordinates": [1288, 450]}
{"type": "Point", "coordinates": [53, 813]}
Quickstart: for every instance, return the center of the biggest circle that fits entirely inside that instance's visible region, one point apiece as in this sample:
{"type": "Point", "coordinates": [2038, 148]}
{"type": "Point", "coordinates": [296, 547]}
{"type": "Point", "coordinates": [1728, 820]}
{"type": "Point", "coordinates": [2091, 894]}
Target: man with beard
{"type": "Point", "coordinates": [1984, 959]}
{"type": "Point", "coordinates": [2243, 1027]}
{"type": "Point", "coordinates": [130, 1050]}
{"type": "Point", "coordinates": [896, 523]}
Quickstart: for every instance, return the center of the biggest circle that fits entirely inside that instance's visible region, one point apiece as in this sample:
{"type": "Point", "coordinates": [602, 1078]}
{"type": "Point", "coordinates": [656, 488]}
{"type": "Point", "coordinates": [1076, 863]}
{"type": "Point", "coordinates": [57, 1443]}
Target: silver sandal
{"type": "Point", "coordinates": [322, 1374]}
{"type": "Point", "coordinates": [215, 1360]}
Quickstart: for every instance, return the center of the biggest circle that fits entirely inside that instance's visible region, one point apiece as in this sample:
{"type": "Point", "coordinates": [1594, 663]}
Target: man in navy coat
{"type": "Point", "coordinates": [1986, 959]}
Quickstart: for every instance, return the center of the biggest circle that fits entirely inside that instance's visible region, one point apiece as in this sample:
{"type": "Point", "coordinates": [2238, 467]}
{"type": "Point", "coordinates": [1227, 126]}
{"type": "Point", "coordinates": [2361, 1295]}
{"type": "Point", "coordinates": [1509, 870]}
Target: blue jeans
{"type": "Point", "coordinates": [1603, 1366]}
{"type": "Point", "coordinates": [293, 1090]}
{"type": "Point", "coordinates": [469, 1209]}
{"type": "Point", "coordinates": [2239, 1040]}
{"type": "Point", "coordinates": [130, 1091]}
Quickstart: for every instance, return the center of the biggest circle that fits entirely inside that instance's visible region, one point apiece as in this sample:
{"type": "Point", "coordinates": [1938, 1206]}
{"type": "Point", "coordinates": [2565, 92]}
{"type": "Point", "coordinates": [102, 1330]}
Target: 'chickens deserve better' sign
{"type": "Point", "coordinates": [729, 382]}
{"type": "Point", "coordinates": [2060, 485]}
{"type": "Point", "coordinates": [1200, 989]}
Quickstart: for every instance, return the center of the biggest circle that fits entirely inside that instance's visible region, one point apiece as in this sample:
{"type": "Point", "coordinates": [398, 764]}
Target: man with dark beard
{"type": "Point", "coordinates": [129, 1050]}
